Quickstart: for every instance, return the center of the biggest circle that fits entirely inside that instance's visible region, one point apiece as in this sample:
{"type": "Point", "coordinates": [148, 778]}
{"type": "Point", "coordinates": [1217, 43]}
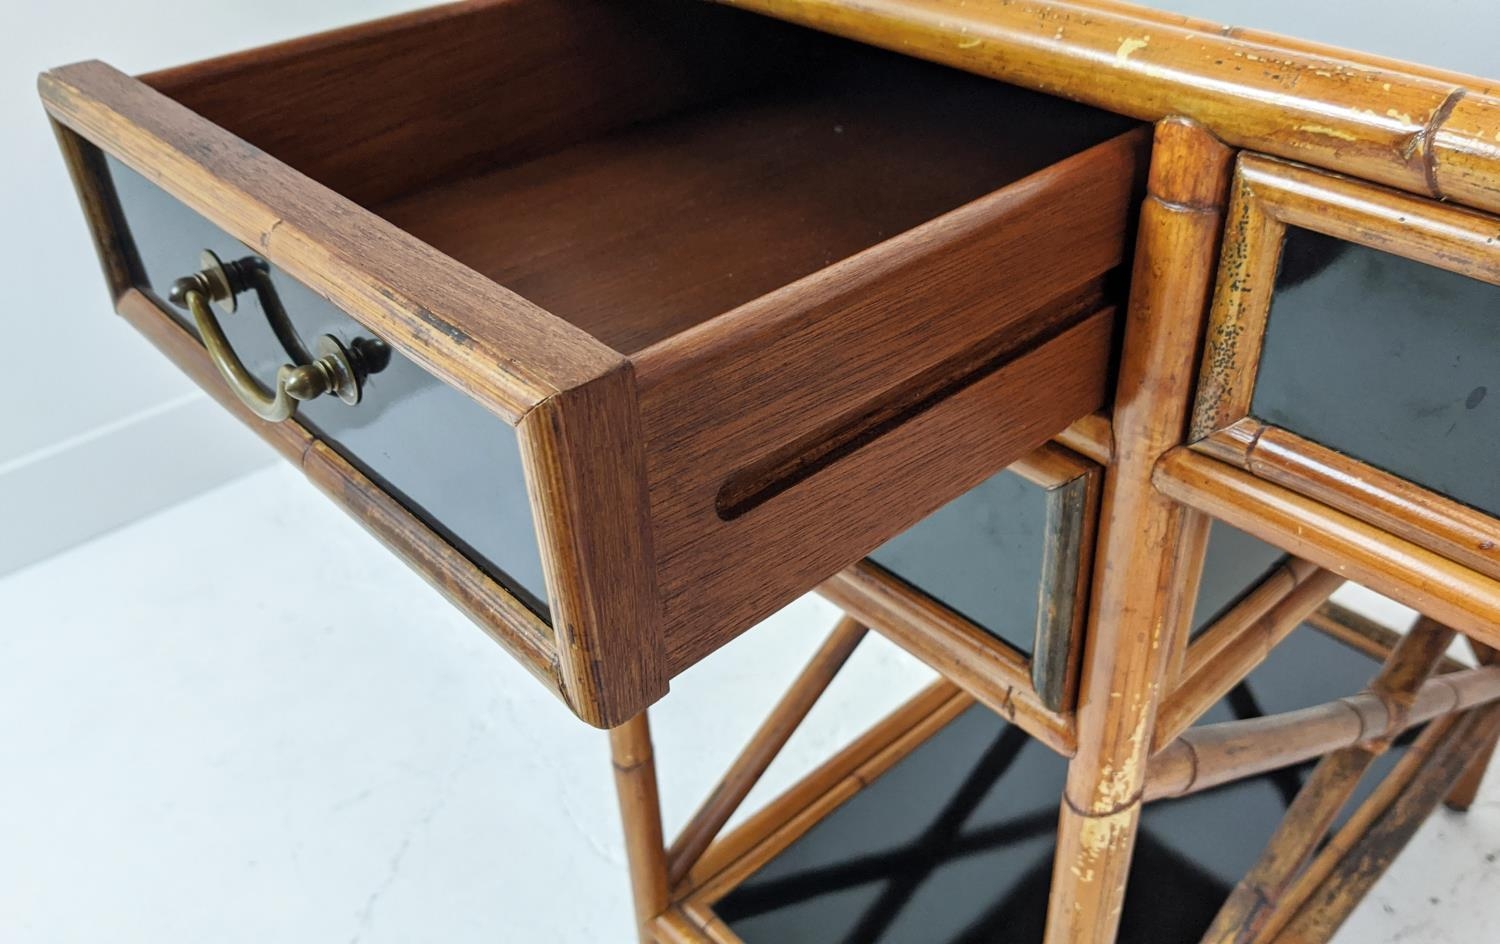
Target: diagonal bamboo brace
{"type": "Point", "coordinates": [1259, 895]}
{"type": "Point", "coordinates": [763, 747]}
{"type": "Point", "coordinates": [1241, 639]}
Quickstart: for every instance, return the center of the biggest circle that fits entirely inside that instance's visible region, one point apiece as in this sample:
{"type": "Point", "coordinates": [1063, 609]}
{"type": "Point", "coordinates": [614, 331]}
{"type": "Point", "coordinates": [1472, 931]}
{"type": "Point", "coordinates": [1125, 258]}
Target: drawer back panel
{"type": "Point", "coordinates": [435, 94]}
{"type": "Point", "coordinates": [449, 461]}
{"type": "Point", "coordinates": [1389, 360]}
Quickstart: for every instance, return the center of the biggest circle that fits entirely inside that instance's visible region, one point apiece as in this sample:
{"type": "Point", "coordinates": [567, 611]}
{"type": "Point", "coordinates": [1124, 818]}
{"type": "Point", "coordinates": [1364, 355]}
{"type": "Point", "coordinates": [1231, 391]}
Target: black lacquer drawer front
{"type": "Point", "coordinates": [1388, 360]}
{"type": "Point", "coordinates": [981, 555]}
{"type": "Point", "coordinates": [1352, 355]}
{"type": "Point", "coordinates": [452, 463]}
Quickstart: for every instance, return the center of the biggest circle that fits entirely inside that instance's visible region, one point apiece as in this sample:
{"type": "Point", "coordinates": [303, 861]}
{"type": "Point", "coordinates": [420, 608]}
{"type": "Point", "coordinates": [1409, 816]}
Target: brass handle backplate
{"type": "Point", "coordinates": [336, 369]}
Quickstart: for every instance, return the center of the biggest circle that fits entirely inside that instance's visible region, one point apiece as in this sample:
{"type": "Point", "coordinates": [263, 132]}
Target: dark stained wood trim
{"type": "Point", "coordinates": [948, 388]}
{"type": "Point", "coordinates": [101, 210]}
{"type": "Point", "coordinates": [585, 470]}
{"type": "Point", "coordinates": [1072, 509]}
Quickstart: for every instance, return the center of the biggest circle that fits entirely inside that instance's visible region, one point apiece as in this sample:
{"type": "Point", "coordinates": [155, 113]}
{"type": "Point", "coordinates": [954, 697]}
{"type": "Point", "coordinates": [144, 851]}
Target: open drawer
{"type": "Point", "coordinates": [655, 314]}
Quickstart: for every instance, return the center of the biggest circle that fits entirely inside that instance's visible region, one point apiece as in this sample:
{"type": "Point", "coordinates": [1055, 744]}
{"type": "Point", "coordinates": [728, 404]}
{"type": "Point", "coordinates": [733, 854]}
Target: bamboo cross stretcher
{"type": "Point", "coordinates": [1296, 886]}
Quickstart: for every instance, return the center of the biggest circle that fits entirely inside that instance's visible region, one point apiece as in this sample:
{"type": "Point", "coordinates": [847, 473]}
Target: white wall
{"type": "Point", "coordinates": [99, 429]}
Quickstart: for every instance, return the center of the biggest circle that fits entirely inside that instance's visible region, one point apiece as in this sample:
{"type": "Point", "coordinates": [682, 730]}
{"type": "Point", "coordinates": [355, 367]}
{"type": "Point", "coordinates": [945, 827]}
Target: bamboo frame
{"type": "Point", "coordinates": [1467, 788]}
{"type": "Point", "coordinates": [1406, 771]}
{"type": "Point", "coordinates": [1034, 692]}
{"type": "Point", "coordinates": [1242, 639]}
{"type": "Point", "coordinates": [1295, 99]}
{"type": "Point", "coordinates": [1092, 437]}
{"type": "Point", "coordinates": [1186, 577]}
{"type": "Point", "coordinates": [1269, 197]}
{"type": "Point", "coordinates": [1118, 705]}
{"type": "Point", "coordinates": [1349, 865]}
{"type": "Point", "coordinates": [1214, 754]}
{"type": "Point", "coordinates": [640, 812]}
{"type": "Point", "coordinates": [1122, 673]}
{"type": "Point", "coordinates": [1421, 579]}
{"type": "Point", "coordinates": [778, 824]}
{"type": "Point", "coordinates": [764, 745]}
{"type": "Point", "coordinates": [1327, 791]}
{"type": "Point", "coordinates": [1361, 633]}
{"type": "Point", "coordinates": [1306, 101]}
{"type": "Point", "coordinates": [692, 916]}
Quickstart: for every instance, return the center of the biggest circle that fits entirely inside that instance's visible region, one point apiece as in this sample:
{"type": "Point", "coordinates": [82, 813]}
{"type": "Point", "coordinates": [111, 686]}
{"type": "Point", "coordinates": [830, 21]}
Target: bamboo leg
{"type": "Point", "coordinates": [762, 748]}
{"type": "Point", "coordinates": [1356, 871]}
{"type": "Point", "coordinates": [640, 811]}
{"type": "Point", "coordinates": [1136, 622]}
{"type": "Point", "coordinates": [1327, 791]}
{"type": "Point", "coordinates": [1468, 785]}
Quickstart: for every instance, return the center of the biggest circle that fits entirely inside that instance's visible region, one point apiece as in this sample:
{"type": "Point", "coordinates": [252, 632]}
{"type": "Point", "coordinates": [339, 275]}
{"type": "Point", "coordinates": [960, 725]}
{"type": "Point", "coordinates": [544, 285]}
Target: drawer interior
{"type": "Point", "coordinates": [635, 169]}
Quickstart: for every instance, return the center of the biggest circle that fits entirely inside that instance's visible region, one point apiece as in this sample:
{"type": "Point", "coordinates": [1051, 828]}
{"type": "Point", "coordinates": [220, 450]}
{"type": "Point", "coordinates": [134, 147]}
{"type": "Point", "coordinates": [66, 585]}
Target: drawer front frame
{"type": "Point", "coordinates": [1036, 692]}
{"type": "Point", "coordinates": [1268, 197]}
{"type": "Point", "coordinates": [571, 401]}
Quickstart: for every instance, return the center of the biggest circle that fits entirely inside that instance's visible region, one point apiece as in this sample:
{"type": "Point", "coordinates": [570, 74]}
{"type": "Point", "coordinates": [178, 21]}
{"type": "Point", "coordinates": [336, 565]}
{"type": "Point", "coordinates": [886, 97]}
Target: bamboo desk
{"type": "Point", "coordinates": [625, 324]}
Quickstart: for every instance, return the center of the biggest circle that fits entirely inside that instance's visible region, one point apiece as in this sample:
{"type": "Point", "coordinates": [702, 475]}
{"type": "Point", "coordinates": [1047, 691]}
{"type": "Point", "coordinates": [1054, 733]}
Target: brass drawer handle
{"type": "Point", "coordinates": [338, 369]}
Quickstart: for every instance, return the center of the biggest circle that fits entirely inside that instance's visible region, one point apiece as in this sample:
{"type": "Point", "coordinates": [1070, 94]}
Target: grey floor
{"type": "Point", "coordinates": [215, 730]}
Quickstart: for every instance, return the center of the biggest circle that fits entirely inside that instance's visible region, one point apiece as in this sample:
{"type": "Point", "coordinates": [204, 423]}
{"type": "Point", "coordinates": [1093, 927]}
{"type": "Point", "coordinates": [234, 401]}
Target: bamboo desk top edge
{"type": "Point", "coordinates": [1426, 131]}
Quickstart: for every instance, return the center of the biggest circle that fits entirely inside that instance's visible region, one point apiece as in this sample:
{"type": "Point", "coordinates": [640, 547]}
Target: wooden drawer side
{"type": "Point", "coordinates": [797, 433]}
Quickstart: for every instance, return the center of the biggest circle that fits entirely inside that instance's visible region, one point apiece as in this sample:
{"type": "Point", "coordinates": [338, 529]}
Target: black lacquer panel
{"type": "Point", "coordinates": [954, 844]}
{"type": "Point", "coordinates": [1234, 563]}
{"type": "Point", "coordinates": [980, 555]}
{"type": "Point", "coordinates": [1388, 360]}
{"type": "Point", "coordinates": [453, 464]}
